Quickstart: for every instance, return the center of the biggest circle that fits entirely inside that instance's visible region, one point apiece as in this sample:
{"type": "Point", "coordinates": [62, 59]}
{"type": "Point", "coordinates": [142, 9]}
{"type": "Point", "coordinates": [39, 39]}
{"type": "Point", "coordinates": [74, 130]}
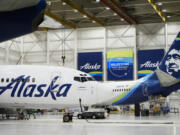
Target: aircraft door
{"type": "Point", "coordinates": [93, 91]}
{"type": "Point", "coordinates": [86, 90]}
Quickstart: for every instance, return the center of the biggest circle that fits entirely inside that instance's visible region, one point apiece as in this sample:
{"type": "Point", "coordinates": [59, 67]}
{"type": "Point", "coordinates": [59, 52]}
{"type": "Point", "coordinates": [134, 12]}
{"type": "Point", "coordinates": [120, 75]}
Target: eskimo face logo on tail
{"type": "Point", "coordinates": [21, 88]}
{"type": "Point", "coordinates": [173, 62]}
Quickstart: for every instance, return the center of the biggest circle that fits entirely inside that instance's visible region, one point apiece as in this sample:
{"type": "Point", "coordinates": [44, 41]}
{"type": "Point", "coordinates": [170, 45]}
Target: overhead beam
{"type": "Point", "coordinates": [124, 11]}
{"type": "Point", "coordinates": [116, 11]}
{"type": "Point", "coordinates": [157, 10]}
{"type": "Point", "coordinates": [46, 28]}
{"type": "Point", "coordinates": [43, 28]}
{"type": "Point", "coordinates": [84, 12]}
{"type": "Point", "coordinates": [64, 22]}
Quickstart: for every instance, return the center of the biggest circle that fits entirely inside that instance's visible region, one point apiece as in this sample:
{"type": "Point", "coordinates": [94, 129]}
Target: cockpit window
{"type": "Point", "coordinates": [77, 79]}
{"type": "Point", "coordinates": [83, 79]}
{"type": "Point", "coordinates": [90, 79]}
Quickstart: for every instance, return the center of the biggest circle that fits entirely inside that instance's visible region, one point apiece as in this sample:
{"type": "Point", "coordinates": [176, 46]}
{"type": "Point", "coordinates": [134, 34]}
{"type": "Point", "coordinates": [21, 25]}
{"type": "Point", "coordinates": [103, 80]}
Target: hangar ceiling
{"type": "Point", "coordinates": [93, 13]}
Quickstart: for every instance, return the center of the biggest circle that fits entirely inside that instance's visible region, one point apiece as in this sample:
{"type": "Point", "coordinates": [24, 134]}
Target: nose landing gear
{"type": "Point", "coordinates": [68, 117]}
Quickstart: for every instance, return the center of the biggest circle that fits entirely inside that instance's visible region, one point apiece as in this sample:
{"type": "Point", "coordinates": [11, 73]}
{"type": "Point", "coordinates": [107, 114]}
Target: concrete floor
{"type": "Point", "coordinates": [113, 125]}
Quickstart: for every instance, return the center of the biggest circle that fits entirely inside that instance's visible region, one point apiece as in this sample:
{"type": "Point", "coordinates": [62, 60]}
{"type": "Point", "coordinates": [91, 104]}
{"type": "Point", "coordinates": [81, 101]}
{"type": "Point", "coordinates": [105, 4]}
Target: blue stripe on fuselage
{"type": "Point", "coordinates": [136, 94]}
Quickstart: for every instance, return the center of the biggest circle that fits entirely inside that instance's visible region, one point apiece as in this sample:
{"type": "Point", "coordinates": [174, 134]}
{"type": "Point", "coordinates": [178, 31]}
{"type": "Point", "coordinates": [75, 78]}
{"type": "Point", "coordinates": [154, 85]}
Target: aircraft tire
{"type": "Point", "coordinates": [79, 116]}
{"type": "Point", "coordinates": [94, 117]}
{"type": "Point", "coordinates": [66, 118]}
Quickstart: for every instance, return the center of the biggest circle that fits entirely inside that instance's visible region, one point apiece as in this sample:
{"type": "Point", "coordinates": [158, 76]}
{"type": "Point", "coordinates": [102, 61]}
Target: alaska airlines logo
{"type": "Point", "coordinates": [149, 64]}
{"type": "Point", "coordinates": [89, 66]}
{"type": "Point", "coordinates": [21, 89]}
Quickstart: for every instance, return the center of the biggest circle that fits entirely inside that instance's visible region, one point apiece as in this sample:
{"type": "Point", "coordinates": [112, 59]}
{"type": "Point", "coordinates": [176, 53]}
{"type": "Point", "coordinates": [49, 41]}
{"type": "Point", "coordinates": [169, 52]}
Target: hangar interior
{"type": "Point", "coordinates": [72, 27]}
{"type": "Point", "coordinates": [48, 47]}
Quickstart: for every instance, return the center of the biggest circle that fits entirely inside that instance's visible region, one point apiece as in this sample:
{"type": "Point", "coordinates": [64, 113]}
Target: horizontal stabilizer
{"type": "Point", "coordinates": [165, 79]}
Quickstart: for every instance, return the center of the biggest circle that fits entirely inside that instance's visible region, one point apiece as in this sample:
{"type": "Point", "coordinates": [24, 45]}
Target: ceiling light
{"type": "Point", "coordinates": [164, 10]}
{"type": "Point", "coordinates": [122, 19]}
{"type": "Point", "coordinates": [115, 14]}
{"type": "Point", "coordinates": [107, 8]}
{"type": "Point", "coordinates": [84, 16]}
{"type": "Point", "coordinates": [63, 3]}
{"type": "Point", "coordinates": [168, 16]}
{"type": "Point", "coordinates": [159, 4]}
{"type": "Point", "coordinates": [48, 3]}
{"type": "Point", "coordinates": [93, 21]}
{"type": "Point", "coordinates": [75, 10]}
{"type": "Point", "coordinates": [95, 1]}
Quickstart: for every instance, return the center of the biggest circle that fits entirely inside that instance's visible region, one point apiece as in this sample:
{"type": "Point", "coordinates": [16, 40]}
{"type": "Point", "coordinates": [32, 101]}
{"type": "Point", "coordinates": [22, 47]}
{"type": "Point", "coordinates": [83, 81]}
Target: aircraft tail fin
{"type": "Point", "coordinates": [169, 70]}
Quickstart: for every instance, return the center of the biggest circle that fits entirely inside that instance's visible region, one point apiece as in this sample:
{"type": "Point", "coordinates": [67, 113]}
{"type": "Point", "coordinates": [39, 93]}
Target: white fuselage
{"type": "Point", "coordinates": [53, 87]}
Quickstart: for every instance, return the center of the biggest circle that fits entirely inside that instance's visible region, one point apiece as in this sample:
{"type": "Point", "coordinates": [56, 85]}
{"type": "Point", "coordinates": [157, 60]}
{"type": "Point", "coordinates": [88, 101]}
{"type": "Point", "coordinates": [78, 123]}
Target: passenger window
{"type": "Point", "coordinates": [18, 80]}
{"type": "Point", "coordinates": [2, 80]}
{"type": "Point", "coordinates": [7, 80]}
{"type": "Point", "coordinates": [28, 80]}
{"type": "Point", "coordinates": [83, 79]}
{"type": "Point", "coordinates": [12, 80]}
{"type": "Point", "coordinates": [23, 80]}
{"type": "Point", "coordinates": [33, 80]}
{"type": "Point", "coordinates": [78, 79]}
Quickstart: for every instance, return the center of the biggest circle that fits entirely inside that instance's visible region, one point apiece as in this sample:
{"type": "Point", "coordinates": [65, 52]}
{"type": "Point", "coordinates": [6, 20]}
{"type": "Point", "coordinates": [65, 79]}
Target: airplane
{"type": "Point", "coordinates": [29, 86]}
{"type": "Point", "coordinates": [20, 17]}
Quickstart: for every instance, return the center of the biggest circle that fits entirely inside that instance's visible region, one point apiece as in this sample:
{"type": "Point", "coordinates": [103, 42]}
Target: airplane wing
{"type": "Point", "coordinates": [10, 5]}
{"type": "Point", "coordinates": [20, 17]}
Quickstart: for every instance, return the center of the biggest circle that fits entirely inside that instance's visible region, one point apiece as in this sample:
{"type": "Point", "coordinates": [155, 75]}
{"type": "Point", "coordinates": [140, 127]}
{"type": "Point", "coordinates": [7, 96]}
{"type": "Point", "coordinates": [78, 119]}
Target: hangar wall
{"type": "Point", "coordinates": [8, 53]}
{"type": "Point", "coordinates": [47, 47]}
